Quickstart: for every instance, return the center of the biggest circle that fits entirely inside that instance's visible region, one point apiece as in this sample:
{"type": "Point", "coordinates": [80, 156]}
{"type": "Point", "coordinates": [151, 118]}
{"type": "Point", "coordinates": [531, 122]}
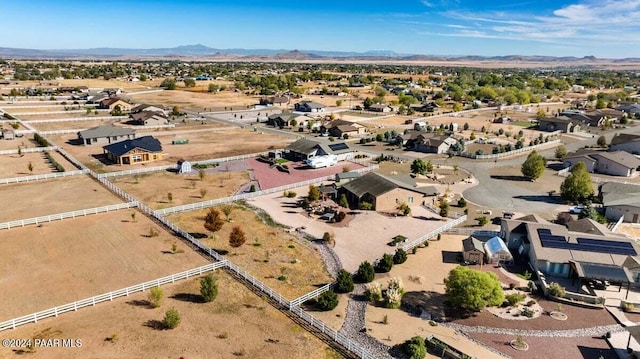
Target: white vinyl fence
{"type": "Point", "coordinates": [511, 153]}
{"type": "Point", "coordinates": [74, 119]}
{"type": "Point", "coordinates": [29, 150]}
{"type": "Point", "coordinates": [615, 226]}
{"type": "Point", "coordinates": [42, 176]}
{"type": "Point", "coordinates": [61, 216]}
{"type": "Point", "coordinates": [82, 110]}
{"type": "Point", "coordinates": [54, 312]}
{"type": "Point", "coordinates": [341, 339]}
{"type": "Point", "coordinates": [426, 237]}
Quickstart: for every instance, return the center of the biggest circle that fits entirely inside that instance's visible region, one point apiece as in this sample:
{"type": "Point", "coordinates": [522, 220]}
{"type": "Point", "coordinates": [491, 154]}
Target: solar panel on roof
{"type": "Point", "coordinates": [338, 146]}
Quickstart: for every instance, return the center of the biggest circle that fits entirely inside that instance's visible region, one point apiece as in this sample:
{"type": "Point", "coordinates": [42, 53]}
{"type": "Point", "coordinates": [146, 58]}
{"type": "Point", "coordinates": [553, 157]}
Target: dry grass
{"type": "Point", "coordinates": [69, 260]}
{"type": "Point", "coordinates": [237, 324]}
{"type": "Point", "coordinates": [18, 165]}
{"type": "Point", "coordinates": [199, 101]}
{"type": "Point", "coordinates": [269, 253]}
{"type": "Point", "coordinates": [71, 125]}
{"type": "Point", "coordinates": [34, 199]}
{"type": "Point", "coordinates": [153, 188]}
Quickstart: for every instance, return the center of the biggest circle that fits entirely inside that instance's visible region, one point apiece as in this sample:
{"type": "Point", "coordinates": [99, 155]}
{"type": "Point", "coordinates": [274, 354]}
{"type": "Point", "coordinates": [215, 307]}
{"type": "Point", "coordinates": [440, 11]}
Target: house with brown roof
{"type": "Point", "coordinates": [111, 103]}
{"type": "Point", "coordinates": [560, 123]}
{"type": "Point", "coordinates": [384, 193]}
{"type": "Point", "coordinates": [148, 118]}
{"type": "Point", "coordinates": [150, 108]}
{"type": "Point", "coordinates": [379, 107]}
{"type": "Point", "coordinates": [427, 142]}
{"type": "Point", "coordinates": [274, 101]}
{"type": "Point", "coordinates": [340, 128]}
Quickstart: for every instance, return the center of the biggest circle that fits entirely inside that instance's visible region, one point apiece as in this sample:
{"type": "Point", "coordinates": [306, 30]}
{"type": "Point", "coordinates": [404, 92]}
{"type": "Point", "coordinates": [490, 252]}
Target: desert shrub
{"type": "Point", "coordinates": [628, 307]}
{"type": "Point", "coordinates": [291, 194]}
{"type": "Point", "coordinates": [531, 302]}
{"type": "Point", "coordinates": [155, 297]}
{"type": "Point", "coordinates": [366, 206]}
{"type": "Point", "coordinates": [400, 256]}
{"type": "Point", "coordinates": [327, 300]}
{"type": "Point", "coordinates": [563, 218]}
{"type": "Point", "coordinates": [393, 295]}
{"type": "Point", "coordinates": [557, 290]}
{"type": "Point", "coordinates": [527, 313]}
{"type": "Point", "coordinates": [365, 273]}
{"type": "Point", "coordinates": [482, 220]}
{"type": "Point", "coordinates": [373, 292]}
{"type": "Point", "coordinates": [415, 348]}
{"type": "Point", "coordinates": [514, 298]}
{"type": "Point", "coordinates": [344, 283]}
{"type": "Point", "coordinates": [384, 264]}
{"type": "Point", "coordinates": [171, 318]}
{"type": "Point", "coordinates": [340, 216]}
{"type": "Point", "coordinates": [462, 202]}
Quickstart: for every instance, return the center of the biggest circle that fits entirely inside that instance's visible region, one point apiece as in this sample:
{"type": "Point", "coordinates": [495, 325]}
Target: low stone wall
{"type": "Point", "coordinates": [571, 298]}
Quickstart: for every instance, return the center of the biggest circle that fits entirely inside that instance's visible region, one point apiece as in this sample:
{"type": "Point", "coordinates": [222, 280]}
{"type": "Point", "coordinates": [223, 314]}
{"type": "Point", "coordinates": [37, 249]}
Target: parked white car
{"type": "Point", "coordinates": [576, 209]}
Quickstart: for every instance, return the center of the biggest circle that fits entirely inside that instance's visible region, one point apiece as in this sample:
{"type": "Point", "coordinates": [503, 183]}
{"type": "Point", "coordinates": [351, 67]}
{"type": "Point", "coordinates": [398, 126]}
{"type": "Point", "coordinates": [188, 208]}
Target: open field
{"type": "Point", "coordinates": [128, 86]}
{"type": "Point", "coordinates": [24, 142]}
{"type": "Point", "coordinates": [199, 101]}
{"type": "Point", "coordinates": [18, 165]}
{"type": "Point", "coordinates": [34, 199]}
{"type": "Point", "coordinates": [273, 256]}
{"type": "Point", "coordinates": [203, 145]}
{"type": "Point", "coordinates": [18, 112]}
{"type": "Point", "coordinates": [28, 118]}
{"type": "Point", "coordinates": [153, 188]}
{"type": "Point", "coordinates": [69, 260]}
{"type": "Point", "coordinates": [237, 324]}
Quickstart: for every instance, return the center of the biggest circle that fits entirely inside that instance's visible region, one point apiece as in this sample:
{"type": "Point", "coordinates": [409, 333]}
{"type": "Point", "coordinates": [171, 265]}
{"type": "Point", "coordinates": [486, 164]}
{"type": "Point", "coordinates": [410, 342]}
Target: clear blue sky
{"type": "Point", "coordinates": [603, 28]}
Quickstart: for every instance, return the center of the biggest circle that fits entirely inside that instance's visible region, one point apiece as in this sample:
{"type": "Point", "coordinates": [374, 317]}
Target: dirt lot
{"type": "Point", "coordinates": [547, 182]}
{"type": "Point", "coordinates": [61, 115]}
{"type": "Point", "coordinates": [18, 165]}
{"type": "Point", "coordinates": [237, 323]}
{"type": "Point", "coordinates": [199, 101]}
{"type": "Point", "coordinates": [37, 198]}
{"type": "Point", "coordinates": [269, 253]}
{"type": "Point", "coordinates": [153, 188]}
{"type": "Point", "coordinates": [69, 260]}
{"type": "Point", "coordinates": [203, 144]}
{"type": "Point", "coordinates": [71, 125]}
{"type": "Point", "coordinates": [631, 230]}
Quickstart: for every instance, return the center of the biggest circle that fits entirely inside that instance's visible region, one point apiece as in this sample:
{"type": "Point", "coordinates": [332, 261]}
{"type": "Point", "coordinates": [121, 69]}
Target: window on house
{"type": "Point", "coordinates": [136, 158]}
{"type": "Point", "coordinates": [409, 199]}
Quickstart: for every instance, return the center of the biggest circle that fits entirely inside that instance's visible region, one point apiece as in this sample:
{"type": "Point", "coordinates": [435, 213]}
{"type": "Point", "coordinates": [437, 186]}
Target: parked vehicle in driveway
{"type": "Point", "coordinates": [576, 209]}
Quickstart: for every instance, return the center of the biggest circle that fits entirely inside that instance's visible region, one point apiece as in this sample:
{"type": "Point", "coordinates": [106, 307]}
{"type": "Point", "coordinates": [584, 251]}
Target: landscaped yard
{"type": "Point", "coordinates": [237, 324]}
{"type": "Point", "coordinates": [273, 256]}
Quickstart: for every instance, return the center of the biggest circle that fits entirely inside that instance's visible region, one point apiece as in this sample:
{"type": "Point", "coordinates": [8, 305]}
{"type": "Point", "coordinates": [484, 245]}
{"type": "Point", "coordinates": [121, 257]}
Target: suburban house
{"type": "Point", "coordinates": [555, 250]}
{"type": "Point", "coordinates": [306, 148]}
{"type": "Point", "coordinates": [426, 142]}
{"type": "Point", "coordinates": [283, 119]}
{"type": "Point", "coordinates": [150, 108]}
{"type": "Point", "coordinates": [148, 118]}
{"type": "Point", "coordinates": [309, 106]}
{"type": "Point", "coordinates": [620, 199]}
{"type": "Point", "coordinates": [338, 128]}
{"type": "Point", "coordinates": [630, 109]}
{"type": "Point", "coordinates": [379, 107]}
{"type": "Point", "coordinates": [425, 107]}
{"type": "Point", "coordinates": [106, 135]}
{"type": "Point", "coordinates": [588, 119]}
{"type": "Point", "coordinates": [137, 150]}
{"type": "Point", "coordinates": [384, 193]}
{"type": "Point", "coordinates": [274, 101]}
{"type": "Point", "coordinates": [618, 163]}
{"type": "Point", "coordinates": [473, 250]}
{"type": "Point", "coordinates": [625, 142]}
{"type": "Point", "coordinates": [560, 123]}
{"type": "Point", "coordinates": [112, 103]}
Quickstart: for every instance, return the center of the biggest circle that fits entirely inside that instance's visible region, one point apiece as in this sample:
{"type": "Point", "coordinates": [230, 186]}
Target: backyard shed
{"type": "Point", "coordinates": [472, 250]}
{"type": "Point", "coordinates": [496, 250]}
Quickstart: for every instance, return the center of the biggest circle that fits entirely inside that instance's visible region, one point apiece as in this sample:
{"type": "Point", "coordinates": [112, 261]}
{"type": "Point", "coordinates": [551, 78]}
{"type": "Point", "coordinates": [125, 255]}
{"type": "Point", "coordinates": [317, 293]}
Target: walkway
{"type": "Point", "coordinates": [571, 333]}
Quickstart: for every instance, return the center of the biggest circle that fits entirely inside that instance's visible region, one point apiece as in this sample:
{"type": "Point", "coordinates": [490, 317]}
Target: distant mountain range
{"type": "Point", "coordinates": [204, 52]}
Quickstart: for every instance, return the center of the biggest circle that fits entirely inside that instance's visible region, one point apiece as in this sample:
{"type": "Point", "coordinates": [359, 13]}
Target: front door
{"type": "Point", "coordinates": [635, 218]}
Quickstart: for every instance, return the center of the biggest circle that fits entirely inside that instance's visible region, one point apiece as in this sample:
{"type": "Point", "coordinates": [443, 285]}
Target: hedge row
{"type": "Point", "coordinates": [42, 142]}
{"type": "Point", "coordinates": [53, 162]}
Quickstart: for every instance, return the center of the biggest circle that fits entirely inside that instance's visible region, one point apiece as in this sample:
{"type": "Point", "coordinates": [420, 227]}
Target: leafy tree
{"type": "Point", "coordinates": [400, 256]}
{"type": "Point", "coordinates": [465, 126]}
{"type": "Point", "coordinates": [30, 167]}
{"type": "Point", "coordinates": [540, 114]}
{"type": "Point", "coordinates": [171, 319]}
{"type": "Point", "coordinates": [213, 221]}
{"type": "Point", "coordinates": [314, 193]}
{"type": "Point", "coordinates": [429, 167]}
{"type": "Point", "coordinates": [175, 111]}
{"type": "Point", "coordinates": [602, 141]}
{"type": "Point", "coordinates": [189, 82]}
{"type": "Point", "coordinates": [592, 213]}
{"type": "Point", "coordinates": [462, 202]}
{"type": "Point", "coordinates": [577, 187]}
{"type": "Point", "coordinates": [473, 290]}
{"type": "Point", "coordinates": [483, 220]}
{"type": "Point", "coordinates": [208, 288]}
{"type": "Point", "coordinates": [404, 209]}
{"type": "Point", "coordinates": [237, 237]}
{"type": "Point", "coordinates": [366, 273]}
{"type": "Point", "coordinates": [563, 218]}
{"type": "Point", "coordinates": [327, 300]}
{"type": "Point", "coordinates": [444, 209]}
{"type": "Point", "coordinates": [343, 202]}
{"type": "Point", "coordinates": [155, 297]}
{"type": "Point", "coordinates": [415, 348]}
{"type": "Point", "coordinates": [385, 263]}
{"type": "Point", "coordinates": [344, 283]}
{"type": "Point", "coordinates": [169, 84]}
{"type": "Point", "coordinates": [561, 152]}
{"type": "Point", "coordinates": [339, 103]}
{"type": "Point", "coordinates": [533, 166]}
{"type": "Point", "coordinates": [418, 166]}
{"type": "Point", "coordinates": [213, 88]}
